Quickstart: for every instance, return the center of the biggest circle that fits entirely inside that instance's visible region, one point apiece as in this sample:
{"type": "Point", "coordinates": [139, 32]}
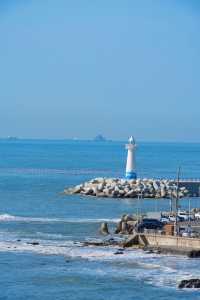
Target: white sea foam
{"type": "Point", "coordinates": [11, 218]}
{"type": "Point", "coordinates": [67, 248]}
{"type": "Point", "coordinates": [45, 235]}
{"type": "Point", "coordinates": [78, 250]}
{"type": "Point", "coordinates": [149, 268]}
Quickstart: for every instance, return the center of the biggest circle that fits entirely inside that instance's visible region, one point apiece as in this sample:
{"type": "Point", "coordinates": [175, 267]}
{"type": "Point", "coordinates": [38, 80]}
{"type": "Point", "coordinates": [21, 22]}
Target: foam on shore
{"type": "Point", "coordinates": [153, 269]}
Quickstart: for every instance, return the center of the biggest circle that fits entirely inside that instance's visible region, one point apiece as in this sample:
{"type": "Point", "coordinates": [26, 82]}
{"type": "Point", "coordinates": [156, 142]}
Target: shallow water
{"type": "Point", "coordinates": [32, 175]}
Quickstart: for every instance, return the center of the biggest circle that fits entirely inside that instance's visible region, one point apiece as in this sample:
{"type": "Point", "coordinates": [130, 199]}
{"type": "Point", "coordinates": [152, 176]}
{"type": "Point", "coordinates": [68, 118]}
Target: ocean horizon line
{"type": "Point", "coordinates": [92, 140]}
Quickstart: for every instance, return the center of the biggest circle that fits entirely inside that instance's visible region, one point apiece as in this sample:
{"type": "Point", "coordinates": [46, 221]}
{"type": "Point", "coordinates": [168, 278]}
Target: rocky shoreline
{"type": "Point", "coordinates": [122, 188]}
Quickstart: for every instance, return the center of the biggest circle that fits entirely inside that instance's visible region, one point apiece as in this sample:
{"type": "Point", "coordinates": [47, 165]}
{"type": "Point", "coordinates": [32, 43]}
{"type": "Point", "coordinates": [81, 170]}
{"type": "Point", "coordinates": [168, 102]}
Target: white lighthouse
{"type": "Point", "coordinates": [130, 164]}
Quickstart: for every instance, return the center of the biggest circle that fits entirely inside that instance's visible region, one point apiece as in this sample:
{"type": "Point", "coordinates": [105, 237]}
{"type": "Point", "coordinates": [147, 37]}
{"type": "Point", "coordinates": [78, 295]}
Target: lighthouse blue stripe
{"type": "Point", "coordinates": [131, 175]}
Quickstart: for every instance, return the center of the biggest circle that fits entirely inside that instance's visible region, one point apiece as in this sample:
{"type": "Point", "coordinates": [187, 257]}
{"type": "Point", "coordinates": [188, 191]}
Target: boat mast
{"type": "Point", "coordinates": [177, 202]}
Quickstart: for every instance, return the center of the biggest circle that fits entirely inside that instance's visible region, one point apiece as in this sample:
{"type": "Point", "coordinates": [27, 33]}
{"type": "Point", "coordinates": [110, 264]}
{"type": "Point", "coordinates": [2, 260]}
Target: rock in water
{"type": "Point", "coordinates": [33, 243]}
{"type": "Point", "coordinates": [104, 228]}
{"type": "Point", "coordinates": [189, 284]}
{"type": "Point", "coordinates": [119, 227]}
{"type": "Point", "coordinates": [124, 228]}
{"type": "Point", "coordinates": [132, 240]}
{"type": "Point", "coordinates": [118, 252]}
{"type": "Point", "coordinates": [194, 253]}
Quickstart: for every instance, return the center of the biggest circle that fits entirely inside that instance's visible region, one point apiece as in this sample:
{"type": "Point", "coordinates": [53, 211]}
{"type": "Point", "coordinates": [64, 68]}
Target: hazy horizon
{"type": "Point", "coordinates": [79, 68]}
{"type": "Point", "coordinates": [91, 139]}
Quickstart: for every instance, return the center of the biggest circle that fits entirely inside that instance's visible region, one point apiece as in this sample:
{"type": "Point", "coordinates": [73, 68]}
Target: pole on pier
{"type": "Point", "coordinates": [177, 202]}
{"type": "Point", "coordinates": [189, 212]}
{"type": "Point", "coordinates": [139, 205]}
{"type": "Point", "coordinates": [170, 202]}
{"type": "Point", "coordinates": [138, 201]}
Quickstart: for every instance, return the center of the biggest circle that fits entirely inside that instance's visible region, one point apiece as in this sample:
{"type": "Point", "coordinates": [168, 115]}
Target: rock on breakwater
{"type": "Point", "coordinates": [122, 188]}
{"type": "Point", "coordinates": [190, 283]}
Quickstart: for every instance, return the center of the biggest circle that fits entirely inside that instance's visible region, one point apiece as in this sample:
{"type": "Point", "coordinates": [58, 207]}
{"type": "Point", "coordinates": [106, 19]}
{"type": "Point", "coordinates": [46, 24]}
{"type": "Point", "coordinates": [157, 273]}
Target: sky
{"type": "Point", "coordinates": [77, 68]}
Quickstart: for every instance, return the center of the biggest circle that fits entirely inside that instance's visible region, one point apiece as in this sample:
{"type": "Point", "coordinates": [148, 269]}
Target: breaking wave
{"type": "Point", "coordinates": [11, 218]}
{"type": "Point", "coordinates": [148, 268]}
{"type": "Point", "coordinates": [152, 269]}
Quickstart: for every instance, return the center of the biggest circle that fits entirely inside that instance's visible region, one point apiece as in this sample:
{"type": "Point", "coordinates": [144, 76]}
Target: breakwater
{"type": "Point", "coordinates": [122, 188]}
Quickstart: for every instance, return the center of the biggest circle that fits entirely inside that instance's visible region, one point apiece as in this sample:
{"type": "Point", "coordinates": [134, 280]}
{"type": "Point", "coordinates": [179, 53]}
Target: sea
{"type": "Point", "coordinates": [42, 231]}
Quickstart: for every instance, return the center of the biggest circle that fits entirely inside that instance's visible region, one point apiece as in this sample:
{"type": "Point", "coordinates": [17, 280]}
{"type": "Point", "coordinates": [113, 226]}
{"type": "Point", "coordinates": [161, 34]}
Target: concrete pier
{"type": "Point", "coordinates": [165, 244]}
{"type": "Point", "coordinates": [176, 242]}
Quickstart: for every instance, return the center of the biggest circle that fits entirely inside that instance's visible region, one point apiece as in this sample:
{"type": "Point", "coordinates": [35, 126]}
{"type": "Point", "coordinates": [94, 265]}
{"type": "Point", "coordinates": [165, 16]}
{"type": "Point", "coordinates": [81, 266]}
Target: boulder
{"type": "Point", "coordinates": [116, 179]}
{"type": "Point", "coordinates": [130, 194]}
{"type": "Point", "coordinates": [100, 179]}
{"type": "Point", "coordinates": [123, 181]}
{"type": "Point", "coordinates": [121, 193]}
{"type": "Point", "coordinates": [132, 181]}
{"type": "Point", "coordinates": [106, 191]}
{"type": "Point", "coordinates": [118, 228]}
{"type": "Point", "coordinates": [132, 223]}
{"type": "Point", "coordinates": [181, 194]}
{"type": "Point", "coordinates": [103, 242]}
{"type": "Point", "coordinates": [163, 193]}
{"type": "Point", "coordinates": [33, 243]}
{"type": "Point", "coordinates": [132, 240]}
{"type": "Point", "coordinates": [88, 191]}
{"type": "Point", "coordinates": [82, 192]}
{"type": "Point", "coordinates": [69, 191]}
{"type": "Point", "coordinates": [118, 252]}
{"type": "Point", "coordinates": [155, 185]}
{"type": "Point", "coordinates": [116, 188]}
{"type": "Point", "coordinates": [94, 189]}
{"type": "Point", "coordinates": [115, 193]}
{"type": "Point", "coordinates": [93, 181]}
{"type": "Point", "coordinates": [126, 190]}
{"type": "Point", "coordinates": [100, 187]}
{"type": "Point", "coordinates": [194, 253]}
{"type": "Point", "coordinates": [127, 218]}
{"type": "Point", "coordinates": [124, 228]}
{"type": "Point", "coordinates": [190, 283]}
{"type": "Point", "coordinates": [100, 194]}
{"type": "Point", "coordinates": [131, 226]}
{"type": "Point", "coordinates": [104, 228]}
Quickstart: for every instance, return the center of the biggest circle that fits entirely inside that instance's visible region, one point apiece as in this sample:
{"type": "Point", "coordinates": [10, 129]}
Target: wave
{"type": "Point", "coordinates": [11, 218]}
{"type": "Point", "coordinates": [148, 268]}
{"type": "Point", "coordinates": [67, 248]}
{"type": "Point", "coordinates": [77, 250]}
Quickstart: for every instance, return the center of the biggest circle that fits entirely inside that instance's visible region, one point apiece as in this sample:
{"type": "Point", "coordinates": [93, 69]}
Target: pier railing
{"type": "Point", "coordinates": [188, 180]}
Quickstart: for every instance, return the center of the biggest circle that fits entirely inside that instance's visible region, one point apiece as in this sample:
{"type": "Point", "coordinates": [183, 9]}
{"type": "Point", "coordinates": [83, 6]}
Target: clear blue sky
{"type": "Point", "coordinates": [78, 68]}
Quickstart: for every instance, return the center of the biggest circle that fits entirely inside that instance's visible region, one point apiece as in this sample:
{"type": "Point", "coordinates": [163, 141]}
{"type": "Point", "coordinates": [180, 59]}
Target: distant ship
{"type": "Point", "coordinates": [99, 138]}
{"type": "Point", "coordinates": [12, 138]}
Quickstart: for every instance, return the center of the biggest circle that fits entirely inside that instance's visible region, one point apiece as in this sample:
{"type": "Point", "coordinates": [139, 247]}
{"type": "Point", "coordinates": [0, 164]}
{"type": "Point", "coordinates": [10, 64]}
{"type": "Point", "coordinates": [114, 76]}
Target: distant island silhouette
{"type": "Point", "coordinates": [100, 138]}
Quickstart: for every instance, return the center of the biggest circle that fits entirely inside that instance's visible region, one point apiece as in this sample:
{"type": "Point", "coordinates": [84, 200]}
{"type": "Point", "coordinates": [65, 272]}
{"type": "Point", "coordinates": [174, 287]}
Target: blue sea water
{"type": "Point", "coordinates": [32, 209]}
